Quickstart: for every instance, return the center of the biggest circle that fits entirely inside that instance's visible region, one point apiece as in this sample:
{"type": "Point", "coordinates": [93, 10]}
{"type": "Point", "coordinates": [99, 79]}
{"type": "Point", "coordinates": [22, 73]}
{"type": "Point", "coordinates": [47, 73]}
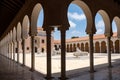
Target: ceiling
{"type": "Point", "coordinates": [8, 10]}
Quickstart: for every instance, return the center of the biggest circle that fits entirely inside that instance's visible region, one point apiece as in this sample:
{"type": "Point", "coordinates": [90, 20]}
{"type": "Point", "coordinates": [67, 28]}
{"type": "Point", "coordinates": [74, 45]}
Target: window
{"type": "Point", "coordinates": [43, 41]}
{"type": "Point", "coordinates": [27, 48]}
{"type": "Point", "coordinates": [35, 41]}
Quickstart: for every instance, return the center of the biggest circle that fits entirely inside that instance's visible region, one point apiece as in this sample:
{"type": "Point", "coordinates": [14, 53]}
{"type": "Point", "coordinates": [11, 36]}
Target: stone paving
{"type": "Point", "coordinates": [77, 68]}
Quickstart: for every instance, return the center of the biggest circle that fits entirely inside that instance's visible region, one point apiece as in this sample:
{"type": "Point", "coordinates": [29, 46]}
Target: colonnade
{"type": "Point", "coordinates": [55, 15]}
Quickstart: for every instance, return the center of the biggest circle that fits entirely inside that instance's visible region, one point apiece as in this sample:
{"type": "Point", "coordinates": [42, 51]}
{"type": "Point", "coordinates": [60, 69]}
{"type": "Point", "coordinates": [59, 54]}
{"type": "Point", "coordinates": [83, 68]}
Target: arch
{"type": "Point", "coordinates": [97, 47]}
{"type": "Point", "coordinates": [86, 47]}
{"type": "Point", "coordinates": [117, 46]}
{"type": "Point", "coordinates": [117, 21]}
{"type": "Point", "coordinates": [71, 48]}
{"type": "Point", "coordinates": [14, 34]}
{"type": "Point", "coordinates": [88, 14]}
{"type": "Point", "coordinates": [103, 47]}
{"type": "Point", "coordinates": [78, 45]}
{"type": "Point", "coordinates": [82, 47]}
{"type": "Point", "coordinates": [68, 48]}
{"type": "Point", "coordinates": [34, 18]}
{"type": "Point", "coordinates": [18, 32]}
{"type": "Point", "coordinates": [25, 27]}
{"type": "Point", "coordinates": [106, 19]}
{"type": "Point", "coordinates": [74, 47]}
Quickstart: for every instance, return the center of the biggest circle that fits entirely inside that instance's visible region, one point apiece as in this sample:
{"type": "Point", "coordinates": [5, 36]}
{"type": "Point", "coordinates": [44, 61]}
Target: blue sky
{"type": "Point", "coordinates": [77, 21]}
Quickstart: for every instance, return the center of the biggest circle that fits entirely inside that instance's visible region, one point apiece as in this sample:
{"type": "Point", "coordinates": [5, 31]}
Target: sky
{"type": "Point", "coordinates": [77, 21]}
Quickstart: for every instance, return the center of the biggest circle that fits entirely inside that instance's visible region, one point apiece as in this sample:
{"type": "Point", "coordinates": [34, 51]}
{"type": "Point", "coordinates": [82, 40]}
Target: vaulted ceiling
{"type": "Point", "coordinates": [8, 10]}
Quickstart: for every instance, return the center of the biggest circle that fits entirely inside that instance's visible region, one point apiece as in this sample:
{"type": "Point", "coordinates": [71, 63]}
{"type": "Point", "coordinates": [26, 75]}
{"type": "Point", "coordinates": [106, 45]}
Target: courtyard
{"type": "Point", "coordinates": [74, 65]}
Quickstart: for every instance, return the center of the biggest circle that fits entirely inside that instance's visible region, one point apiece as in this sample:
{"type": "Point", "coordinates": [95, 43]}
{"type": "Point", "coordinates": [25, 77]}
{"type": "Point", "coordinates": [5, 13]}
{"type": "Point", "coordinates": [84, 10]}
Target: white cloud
{"type": "Point", "coordinates": [76, 16]}
{"type": "Point", "coordinates": [76, 32]}
{"type": "Point", "coordinates": [99, 31]}
{"type": "Point", "coordinates": [72, 24]}
{"type": "Point", "coordinates": [100, 24]}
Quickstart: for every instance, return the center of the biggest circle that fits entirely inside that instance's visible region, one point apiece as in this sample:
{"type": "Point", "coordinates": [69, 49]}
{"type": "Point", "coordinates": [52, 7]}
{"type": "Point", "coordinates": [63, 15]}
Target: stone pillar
{"type": "Point", "coordinates": [32, 53]}
{"type": "Point", "coordinates": [17, 51]}
{"type": "Point", "coordinates": [11, 51]}
{"type": "Point", "coordinates": [119, 45]}
{"type": "Point", "coordinates": [23, 48]}
{"type": "Point", "coordinates": [49, 73]}
{"type": "Point", "coordinates": [14, 51]}
{"type": "Point", "coordinates": [109, 51]}
{"type": "Point", "coordinates": [91, 49]}
{"type": "Point", "coordinates": [63, 54]}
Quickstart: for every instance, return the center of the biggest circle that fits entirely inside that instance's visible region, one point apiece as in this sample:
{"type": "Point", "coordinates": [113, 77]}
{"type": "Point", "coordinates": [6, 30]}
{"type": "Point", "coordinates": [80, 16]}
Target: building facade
{"type": "Point", "coordinates": [100, 44]}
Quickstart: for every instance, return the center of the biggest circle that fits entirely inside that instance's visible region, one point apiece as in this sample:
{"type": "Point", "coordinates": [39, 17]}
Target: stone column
{"type": "Point", "coordinates": [11, 51]}
{"type": "Point", "coordinates": [14, 51]}
{"type": "Point", "coordinates": [23, 48]}
{"type": "Point", "coordinates": [119, 45]}
{"type": "Point", "coordinates": [109, 51]}
{"type": "Point", "coordinates": [17, 51]}
{"type": "Point", "coordinates": [32, 53]}
{"type": "Point", "coordinates": [91, 49]}
{"type": "Point", "coordinates": [63, 54]}
{"type": "Point", "coordinates": [49, 73]}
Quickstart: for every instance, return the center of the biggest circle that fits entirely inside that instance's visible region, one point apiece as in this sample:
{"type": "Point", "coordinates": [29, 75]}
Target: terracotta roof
{"type": "Point", "coordinates": [98, 36]}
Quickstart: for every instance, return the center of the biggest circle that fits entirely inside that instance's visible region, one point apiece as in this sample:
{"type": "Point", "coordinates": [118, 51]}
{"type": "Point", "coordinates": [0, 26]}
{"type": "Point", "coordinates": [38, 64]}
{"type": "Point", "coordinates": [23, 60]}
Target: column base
{"type": "Point", "coordinates": [92, 71]}
{"type": "Point", "coordinates": [32, 70]}
{"type": "Point", "coordinates": [110, 66]}
{"type": "Point", "coordinates": [22, 65]}
{"type": "Point", "coordinates": [49, 78]}
{"type": "Point", "coordinates": [65, 78]}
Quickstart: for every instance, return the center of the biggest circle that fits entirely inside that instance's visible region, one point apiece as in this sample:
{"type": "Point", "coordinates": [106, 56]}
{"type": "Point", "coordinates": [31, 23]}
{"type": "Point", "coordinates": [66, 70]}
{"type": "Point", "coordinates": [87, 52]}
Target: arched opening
{"type": "Point", "coordinates": [82, 46]}
{"type": "Point", "coordinates": [14, 43]}
{"type": "Point", "coordinates": [74, 47]}
{"type": "Point", "coordinates": [67, 48]}
{"type": "Point", "coordinates": [26, 41]}
{"type": "Point", "coordinates": [97, 47]}
{"type": "Point", "coordinates": [71, 48]}
{"type": "Point", "coordinates": [117, 46]}
{"type": "Point", "coordinates": [86, 47]}
{"type": "Point", "coordinates": [103, 47]}
{"type": "Point", "coordinates": [78, 45]}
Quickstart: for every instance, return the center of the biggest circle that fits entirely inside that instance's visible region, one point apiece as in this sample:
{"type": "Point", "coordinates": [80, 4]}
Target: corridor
{"type": "Point", "coordinates": [10, 70]}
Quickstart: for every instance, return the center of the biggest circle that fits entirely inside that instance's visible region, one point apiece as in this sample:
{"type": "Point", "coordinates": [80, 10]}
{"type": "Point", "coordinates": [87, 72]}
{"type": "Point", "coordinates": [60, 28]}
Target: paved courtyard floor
{"type": "Point", "coordinates": [77, 68]}
{"type": "Point", "coordinates": [74, 65]}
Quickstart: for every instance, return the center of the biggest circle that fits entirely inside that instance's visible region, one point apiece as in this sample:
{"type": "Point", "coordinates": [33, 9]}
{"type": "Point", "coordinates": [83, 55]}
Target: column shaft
{"type": "Point", "coordinates": [14, 51]}
{"type": "Point", "coordinates": [49, 76]}
{"type": "Point", "coordinates": [23, 48]}
{"type": "Point", "coordinates": [109, 51]}
{"type": "Point", "coordinates": [63, 55]}
{"type": "Point", "coordinates": [91, 49]}
{"type": "Point", "coordinates": [32, 53]}
{"type": "Point", "coordinates": [18, 51]}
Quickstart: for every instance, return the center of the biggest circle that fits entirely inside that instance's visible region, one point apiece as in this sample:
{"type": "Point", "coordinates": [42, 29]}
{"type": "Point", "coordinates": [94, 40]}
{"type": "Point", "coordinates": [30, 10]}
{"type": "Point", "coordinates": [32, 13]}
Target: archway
{"type": "Point", "coordinates": [86, 47]}
{"type": "Point", "coordinates": [103, 47]}
{"type": "Point", "coordinates": [82, 46]}
{"type": "Point", "coordinates": [97, 47]}
{"type": "Point", "coordinates": [117, 46]}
